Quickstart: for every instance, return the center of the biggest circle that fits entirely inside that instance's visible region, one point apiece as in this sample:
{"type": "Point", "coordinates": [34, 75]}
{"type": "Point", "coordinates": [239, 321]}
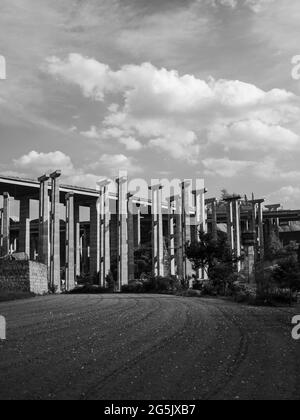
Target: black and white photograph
{"type": "Point", "coordinates": [149, 203]}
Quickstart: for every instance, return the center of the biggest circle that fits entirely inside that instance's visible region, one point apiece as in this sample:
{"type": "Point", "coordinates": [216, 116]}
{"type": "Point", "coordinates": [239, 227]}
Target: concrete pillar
{"type": "Point", "coordinates": [261, 231]}
{"type": "Point", "coordinates": [186, 209]}
{"type": "Point", "coordinates": [104, 232]}
{"type": "Point", "coordinates": [230, 233]}
{"type": "Point", "coordinates": [85, 256]}
{"type": "Point", "coordinates": [6, 224]}
{"type": "Point", "coordinates": [95, 238]}
{"type": "Point", "coordinates": [178, 237]}
{"type": "Point", "coordinates": [171, 223]}
{"type": "Point", "coordinates": [237, 232]}
{"type": "Point", "coordinates": [70, 242]}
{"type": "Point", "coordinates": [137, 226]}
{"type": "Point", "coordinates": [186, 221]}
{"type": "Point", "coordinates": [44, 222]}
{"type": "Point", "coordinates": [234, 226]}
{"type": "Point", "coordinates": [122, 231]}
{"type": "Point", "coordinates": [55, 277]}
{"type": "Point", "coordinates": [157, 231]}
{"type": "Point", "coordinates": [24, 236]}
{"type": "Point", "coordinates": [131, 260]}
{"type": "Point", "coordinates": [200, 212]}
{"type": "Point", "coordinates": [77, 240]}
{"type": "Point", "coordinates": [214, 219]}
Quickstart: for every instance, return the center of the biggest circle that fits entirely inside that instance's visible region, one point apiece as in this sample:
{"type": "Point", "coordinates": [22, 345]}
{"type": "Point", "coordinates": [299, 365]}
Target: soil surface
{"type": "Point", "coordinates": [147, 347]}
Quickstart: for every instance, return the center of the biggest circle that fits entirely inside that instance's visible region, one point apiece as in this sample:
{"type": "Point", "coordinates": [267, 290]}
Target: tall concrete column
{"type": "Point", "coordinates": [186, 221]}
{"type": "Point", "coordinates": [70, 242]}
{"type": "Point", "coordinates": [44, 222]}
{"type": "Point", "coordinates": [200, 212]}
{"type": "Point", "coordinates": [234, 226]}
{"type": "Point", "coordinates": [95, 238]}
{"type": "Point", "coordinates": [214, 218]}
{"type": "Point", "coordinates": [171, 223]}
{"type": "Point", "coordinates": [55, 277]}
{"type": "Point", "coordinates": [122, 231]}
{"type": "Point", "coordinates": [131, 260]}
{"type": "Point", "coordinates": [261, 230]}
{"type": "Point", "coordinates": [24, 236]}
{"type": "Point", "coordinates": [77, 241]}
{"type": "Point", "coordinates": [157, 231]}
{"type": "Point", "coordinates": [200, 221]}
{"type": "Point", "coordinates": [6, 224]}
{"type": "Point", "coordinates": [186, 209]}
{"type": "Point", "coordinates": [85, 254]}
{"type": "Point", "coordinates": [230, 231]}
{"type": "Point", "coordinates": [104, 232]}
{"type": "Point", "coordinates": [178, 237]}
{"type": "Point", "coordinates": [237, 231]}
{"type": "Point", "coordinates": [138, 226]}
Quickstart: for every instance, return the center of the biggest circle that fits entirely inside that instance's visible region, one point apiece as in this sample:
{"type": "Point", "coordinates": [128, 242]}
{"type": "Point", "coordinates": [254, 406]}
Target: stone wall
{"type": "Point", "coordinates": [23, 276]}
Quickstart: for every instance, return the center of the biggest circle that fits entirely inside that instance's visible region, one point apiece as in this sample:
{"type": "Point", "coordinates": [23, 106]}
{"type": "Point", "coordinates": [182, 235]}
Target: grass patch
{"type": "Point", "coordinates": [9, 296]}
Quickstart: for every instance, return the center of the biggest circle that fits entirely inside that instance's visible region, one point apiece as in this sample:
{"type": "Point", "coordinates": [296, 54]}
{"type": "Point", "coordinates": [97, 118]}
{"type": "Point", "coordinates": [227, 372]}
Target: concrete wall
{"type": "Point", "coordinates": [23, 276]}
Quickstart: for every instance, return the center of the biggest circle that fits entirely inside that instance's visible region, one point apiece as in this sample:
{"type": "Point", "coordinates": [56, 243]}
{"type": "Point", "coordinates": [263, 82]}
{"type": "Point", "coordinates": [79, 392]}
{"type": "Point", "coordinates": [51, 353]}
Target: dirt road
{"type": "Point", "coordinates": [147, 347]}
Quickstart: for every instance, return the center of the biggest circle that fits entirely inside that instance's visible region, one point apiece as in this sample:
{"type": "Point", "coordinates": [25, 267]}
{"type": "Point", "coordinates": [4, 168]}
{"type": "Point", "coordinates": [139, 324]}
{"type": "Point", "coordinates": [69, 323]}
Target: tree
{"type": "Point", "coordinates": [287, 276]}
{"type": "Point", "coordinates": [215, 257]}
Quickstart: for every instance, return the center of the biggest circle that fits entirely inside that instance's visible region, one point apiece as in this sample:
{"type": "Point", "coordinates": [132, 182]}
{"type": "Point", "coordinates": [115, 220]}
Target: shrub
{"type": "Point", "coordinates": [208, 289]}
{"type": "Point", "coordinates": [134, 287]}
{"type": "Point", "coordinates": [88, 289]}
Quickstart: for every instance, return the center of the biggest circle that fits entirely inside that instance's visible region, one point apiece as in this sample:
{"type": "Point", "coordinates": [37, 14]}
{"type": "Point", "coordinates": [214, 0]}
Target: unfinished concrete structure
{"type": "Point", "coordinates": [80, 231]}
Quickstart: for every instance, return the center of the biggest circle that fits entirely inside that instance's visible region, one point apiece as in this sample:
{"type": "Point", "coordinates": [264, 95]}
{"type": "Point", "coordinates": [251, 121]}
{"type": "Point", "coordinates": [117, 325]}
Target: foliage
{"type": "Point", "coordinates": [153, 285]}
{"type": "Point", "coordinates": [111, 282]}
{"type": "Point", "coordinates": [143, 261]}
{"type": "Point", "coordinates": [274, 247]}
{"type": "Point", "coordinates": [216, 258]}
{"type": "Point", "coordinates": [287, 275]}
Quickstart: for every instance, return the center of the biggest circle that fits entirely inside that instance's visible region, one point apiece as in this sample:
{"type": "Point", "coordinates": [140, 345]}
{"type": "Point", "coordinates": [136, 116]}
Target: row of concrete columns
{"type": "Point", "coordinates": [185, 211]}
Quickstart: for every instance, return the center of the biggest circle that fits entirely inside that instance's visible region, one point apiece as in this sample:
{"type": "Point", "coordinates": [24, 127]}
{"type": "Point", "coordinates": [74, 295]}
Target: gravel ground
{"type": "Point", "coordinates": [147, 347]}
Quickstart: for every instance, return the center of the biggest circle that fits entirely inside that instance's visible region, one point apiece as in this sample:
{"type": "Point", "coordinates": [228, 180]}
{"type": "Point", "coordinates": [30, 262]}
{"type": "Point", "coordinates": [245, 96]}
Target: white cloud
{"type": "Point", "coordinates": [113, 163]}
{"type": "Point", "coordinates": [225, 167]}
{"type": "Point", "coordinates": [131, 143]}
{"type": "Point", "coordinates": [92, 133]}
{"type": "Point", "coordinates": [173, 113]}
{"type": "Point", "coordinates": [288, 196]}
{"type": "Point", "coordinates": [41, 163]}
{"type": "Point", "coordinates": [255, 135]}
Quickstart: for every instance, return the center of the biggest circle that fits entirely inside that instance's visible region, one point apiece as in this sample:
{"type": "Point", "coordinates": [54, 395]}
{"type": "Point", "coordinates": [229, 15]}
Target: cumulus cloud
{"type": "Point", "coordinates": [225, 167]}
{"type": "Point", "coordinates": [256, 6]}
{"type": "Point", "coordinates": [180, 114]}
{"type": "Point", "coordinates": [113, 163]}
{"type": "Point", "coordinates": [41, 163]}
{"type": "Point", "coordinates": [35, 164]}
{"type": "Point", "coordinates": [288, 196]}
{"type": "Point", "coordinates": [254, 135]}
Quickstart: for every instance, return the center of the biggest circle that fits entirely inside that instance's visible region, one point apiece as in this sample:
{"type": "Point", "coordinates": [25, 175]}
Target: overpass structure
{"type": "Point", "coordinates": [79, 231]}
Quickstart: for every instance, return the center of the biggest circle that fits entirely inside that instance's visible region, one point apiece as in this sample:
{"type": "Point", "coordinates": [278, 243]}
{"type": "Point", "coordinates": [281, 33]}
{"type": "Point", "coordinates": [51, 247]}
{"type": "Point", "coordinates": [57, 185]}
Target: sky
{"type": "Point", "coordinates": [161, 88]}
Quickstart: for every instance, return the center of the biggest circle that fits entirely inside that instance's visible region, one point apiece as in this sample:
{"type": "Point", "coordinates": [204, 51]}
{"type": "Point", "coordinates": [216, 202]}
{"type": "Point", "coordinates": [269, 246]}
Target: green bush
{"type": "Point", "coordinates": [134, 287]}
